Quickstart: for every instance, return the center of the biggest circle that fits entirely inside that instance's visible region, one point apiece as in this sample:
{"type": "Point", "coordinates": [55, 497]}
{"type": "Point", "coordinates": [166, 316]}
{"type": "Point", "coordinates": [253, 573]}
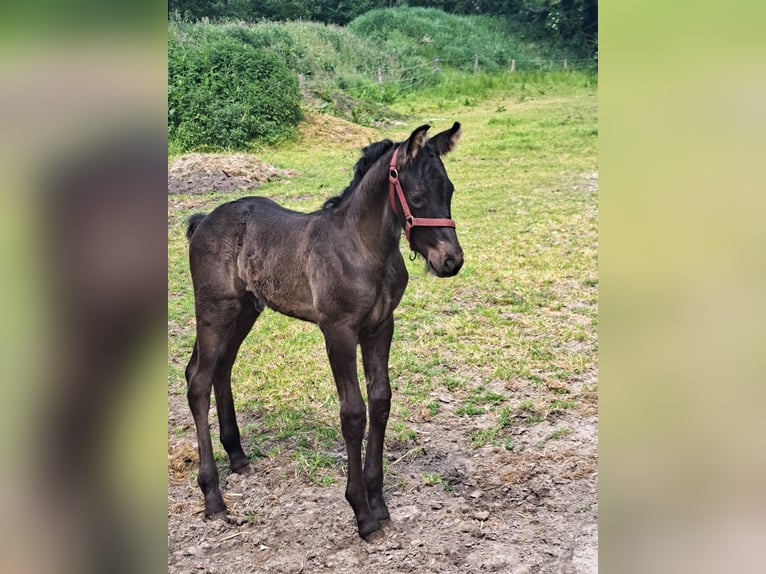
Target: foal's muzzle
{"type": "Point", "coordinates": [445, 260]}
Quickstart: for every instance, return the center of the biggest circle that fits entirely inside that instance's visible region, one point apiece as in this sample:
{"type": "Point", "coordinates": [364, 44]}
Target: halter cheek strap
{"type": "Point", "coordinates": [395, 189]}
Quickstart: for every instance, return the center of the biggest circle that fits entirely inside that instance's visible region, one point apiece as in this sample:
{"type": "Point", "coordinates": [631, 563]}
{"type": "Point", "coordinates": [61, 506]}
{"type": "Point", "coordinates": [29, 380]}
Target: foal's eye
{"type": "Point", "coordinates": [417, 201]}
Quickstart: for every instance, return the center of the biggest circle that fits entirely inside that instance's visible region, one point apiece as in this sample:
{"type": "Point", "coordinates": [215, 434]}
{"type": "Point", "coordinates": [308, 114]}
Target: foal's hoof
{"type": "Point", "coordinates": [244, 470]}
{"type": "Point", "coordinates": [381, 514]}
{"type": "Point", "coordinates": [375, 537]}
{"type": "Point", "coordinates": [220, 515]}
{"type": "Point", "coordinates": [371, 531]}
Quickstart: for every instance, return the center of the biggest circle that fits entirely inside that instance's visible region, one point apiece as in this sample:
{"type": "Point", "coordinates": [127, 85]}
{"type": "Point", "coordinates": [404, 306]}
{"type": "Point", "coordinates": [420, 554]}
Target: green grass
{"type": "Point", "coordinates": [470, 409]}
{"type": "Point", "coordinates": [559, 433]}
{"type": "Point", "coordinates": [518, 321]}
{"type": "Point", "coordinates": [434, 478]}
{"type": "Point", "coordinates": [321, 469]}
{"type": "Point", "coordinates": [530, 413]}
{"type": "Point", "coordinates": [562, 404]}
{"type": "Point", "coordinates": [483, 437]}
{"type": "Point", "coordinates": [480, 401]}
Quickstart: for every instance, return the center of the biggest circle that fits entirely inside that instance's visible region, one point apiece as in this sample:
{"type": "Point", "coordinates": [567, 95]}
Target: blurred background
{"type": "Point", "coordinates": [83, 297]}
{"type": "Point", "coordinates": [681, 146]}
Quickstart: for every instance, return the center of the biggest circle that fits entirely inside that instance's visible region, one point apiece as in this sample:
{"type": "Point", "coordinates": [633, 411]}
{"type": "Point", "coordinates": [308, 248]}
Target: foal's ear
{"type": "Point", "coordinates": [417, 141]}
{"type": "Point", "coordinates": [446, 141]}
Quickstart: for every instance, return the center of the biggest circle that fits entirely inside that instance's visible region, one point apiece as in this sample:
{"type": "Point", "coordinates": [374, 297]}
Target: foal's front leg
{"type": "Point", "coordinates": [375, 352]}
{"type": "Point", "coordinates": [341, 350]}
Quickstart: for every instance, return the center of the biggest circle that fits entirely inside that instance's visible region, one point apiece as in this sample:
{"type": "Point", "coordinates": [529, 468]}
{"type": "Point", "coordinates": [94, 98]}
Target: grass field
{"type": "Point", "coordinates": [506, 338]}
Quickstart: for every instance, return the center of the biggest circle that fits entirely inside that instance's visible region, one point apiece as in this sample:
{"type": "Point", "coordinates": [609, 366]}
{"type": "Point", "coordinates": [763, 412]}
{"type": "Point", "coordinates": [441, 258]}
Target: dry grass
{"type": "Point", "coordinates": [562, 464]}
{"type": "Point", "coordinates": [183, 459]}
{"type": "Point", "coordinates": [322, 128]}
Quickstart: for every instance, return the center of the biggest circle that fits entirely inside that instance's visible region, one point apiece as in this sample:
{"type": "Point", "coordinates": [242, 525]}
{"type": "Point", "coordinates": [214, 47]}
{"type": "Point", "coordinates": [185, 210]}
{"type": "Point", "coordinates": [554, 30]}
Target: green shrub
{"type": "Point", "coordinates": [429, 34]}
{"type": "Point", "coordinates": [224, 93]}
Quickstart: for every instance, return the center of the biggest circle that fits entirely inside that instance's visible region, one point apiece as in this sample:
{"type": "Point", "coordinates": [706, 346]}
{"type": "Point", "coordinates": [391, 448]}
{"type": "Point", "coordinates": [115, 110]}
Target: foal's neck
{"type": "Point", "coordinates": [369, 214]}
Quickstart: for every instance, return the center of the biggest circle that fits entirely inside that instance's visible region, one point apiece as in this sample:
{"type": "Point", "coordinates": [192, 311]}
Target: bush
{"type": "Point", "coordinates": [429, 33]}
{"type": "Point", "coordinates": [224, 93]}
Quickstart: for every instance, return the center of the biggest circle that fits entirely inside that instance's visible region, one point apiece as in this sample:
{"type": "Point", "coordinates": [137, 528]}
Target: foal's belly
{"type": "Point", "coordinates": [280, 284]}
{"type": "Point", "coordinates": [286, 303]}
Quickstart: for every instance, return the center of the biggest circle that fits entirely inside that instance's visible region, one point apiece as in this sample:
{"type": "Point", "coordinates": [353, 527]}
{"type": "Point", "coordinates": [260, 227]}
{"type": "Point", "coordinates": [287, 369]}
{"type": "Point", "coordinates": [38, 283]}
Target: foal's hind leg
{"type": "Point", "coordinates": [230, 438]}
{"type": "Point", "coordinates": [214, 322]}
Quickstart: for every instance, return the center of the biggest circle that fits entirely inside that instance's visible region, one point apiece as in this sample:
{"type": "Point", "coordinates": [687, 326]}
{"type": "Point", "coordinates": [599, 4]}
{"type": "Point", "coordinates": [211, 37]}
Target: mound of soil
{"type": "Point", "coordinates": [203, 173]}
{"type": "Point", "coordinates": [326, 128]}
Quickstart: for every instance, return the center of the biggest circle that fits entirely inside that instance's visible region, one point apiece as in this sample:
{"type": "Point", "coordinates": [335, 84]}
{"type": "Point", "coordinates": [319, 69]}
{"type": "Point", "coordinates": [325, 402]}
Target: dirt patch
{"type": "Point", "coordinates": [203, 173]}
{"type": "Point", "coordinates": [326, 128]}
{"type": "Point", "coordinates": [528, 507]}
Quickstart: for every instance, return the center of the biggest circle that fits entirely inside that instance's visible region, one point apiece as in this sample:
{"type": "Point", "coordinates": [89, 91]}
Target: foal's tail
{"type": "Point", "coordinates": [192, 223]}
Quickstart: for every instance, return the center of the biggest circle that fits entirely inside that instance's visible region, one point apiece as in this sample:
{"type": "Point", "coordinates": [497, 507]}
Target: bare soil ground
{"type": "Point", "coordinates": [529, 509]}
{"type": "Point", "coordinates": [530, 506]}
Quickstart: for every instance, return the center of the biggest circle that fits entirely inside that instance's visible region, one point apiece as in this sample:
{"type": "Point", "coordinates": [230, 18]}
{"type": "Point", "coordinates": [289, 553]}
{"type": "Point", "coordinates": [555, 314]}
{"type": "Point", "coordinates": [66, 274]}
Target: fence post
{"type": "Point", "coordinates": [565, 63]}
{"type": "Point", "coordinates": [301, 80]}
{"type": "Point", "coordinates": [380, 76]}
{"type": "Point", "coordinates": [513, 65]}
{"type": "Point", "coordinates": [475, 63]}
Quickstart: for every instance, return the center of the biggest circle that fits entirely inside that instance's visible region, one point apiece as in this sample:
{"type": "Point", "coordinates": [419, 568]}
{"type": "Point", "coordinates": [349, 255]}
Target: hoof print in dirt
{"type": "Point", "coordinates": [236, 520]}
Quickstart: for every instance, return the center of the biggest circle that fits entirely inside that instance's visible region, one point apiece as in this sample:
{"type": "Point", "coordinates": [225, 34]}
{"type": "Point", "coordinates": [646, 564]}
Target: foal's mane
{"type": "Point", "coordinates": [370, 154]}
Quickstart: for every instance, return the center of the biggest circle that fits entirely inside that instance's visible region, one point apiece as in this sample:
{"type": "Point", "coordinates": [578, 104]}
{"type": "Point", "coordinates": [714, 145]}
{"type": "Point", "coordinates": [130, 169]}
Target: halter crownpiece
{"type": "Point", "coordinates": [395, 189]}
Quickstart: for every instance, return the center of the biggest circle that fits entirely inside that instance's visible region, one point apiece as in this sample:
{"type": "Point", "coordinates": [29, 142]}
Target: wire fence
{"type": "Point", "coordinates": [427, 73]}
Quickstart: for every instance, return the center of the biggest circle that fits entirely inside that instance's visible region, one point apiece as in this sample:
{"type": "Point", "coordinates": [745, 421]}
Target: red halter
{"type": "Point", "coordinates": [395, 186]}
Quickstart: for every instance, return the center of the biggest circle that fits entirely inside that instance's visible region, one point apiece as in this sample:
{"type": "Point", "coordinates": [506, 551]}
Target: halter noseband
{"type": "Point", "coordinates": [395, 188]}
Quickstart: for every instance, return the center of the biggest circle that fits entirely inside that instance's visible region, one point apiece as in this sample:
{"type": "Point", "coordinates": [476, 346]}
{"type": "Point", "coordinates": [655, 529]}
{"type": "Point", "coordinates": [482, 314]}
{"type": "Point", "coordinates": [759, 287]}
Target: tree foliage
{"type": "Point", "coordinates": [573, 23]}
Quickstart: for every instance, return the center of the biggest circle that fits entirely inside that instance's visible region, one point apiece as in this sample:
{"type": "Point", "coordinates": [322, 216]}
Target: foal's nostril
{"type": "Point", "coordinates": [458, 261]}
{"type": "Point", "coordinates": [452, 265]}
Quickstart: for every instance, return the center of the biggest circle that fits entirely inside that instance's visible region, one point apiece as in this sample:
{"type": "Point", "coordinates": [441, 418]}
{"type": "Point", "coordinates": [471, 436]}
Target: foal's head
{"type": "Point", "coordinates": [428, 192]}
